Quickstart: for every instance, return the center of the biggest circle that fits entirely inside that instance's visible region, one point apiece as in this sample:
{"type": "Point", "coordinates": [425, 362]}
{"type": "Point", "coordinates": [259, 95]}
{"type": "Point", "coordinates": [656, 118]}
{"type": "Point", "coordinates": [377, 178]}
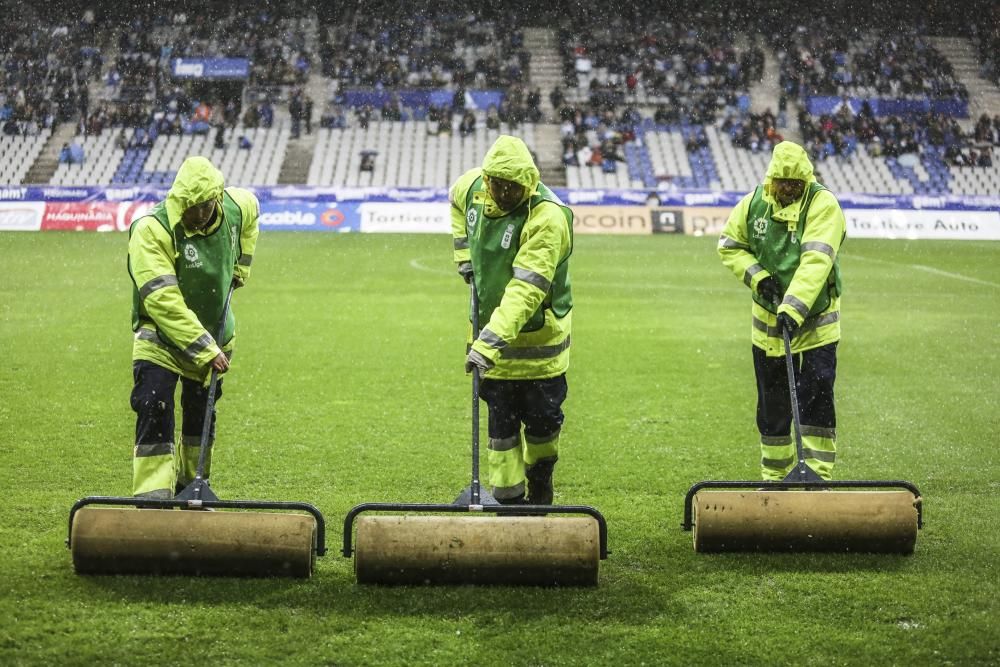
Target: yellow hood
{"type": "Point", "coordinates": [510, 159]}
{"type": "Point", "coordinates": [197, 181]}
{"type": "Point", "coordinates": [788, 160]}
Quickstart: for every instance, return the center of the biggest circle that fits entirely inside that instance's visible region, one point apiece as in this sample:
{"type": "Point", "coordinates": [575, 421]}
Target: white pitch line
{"type": "Point", "coordinates": [956, 276]}
{"type": "Point", "coordinates": [928, 269]}
{"type": "Point", "coordinates": [415, 263]}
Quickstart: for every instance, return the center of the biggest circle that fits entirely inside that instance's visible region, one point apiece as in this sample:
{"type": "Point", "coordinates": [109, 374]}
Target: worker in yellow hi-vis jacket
{"type": "Point", "coordinates": [783, 240]}
{"type": "Point", "coordinates": [514, 236]}
{"type": "Point", "coordinates": [183, 255]}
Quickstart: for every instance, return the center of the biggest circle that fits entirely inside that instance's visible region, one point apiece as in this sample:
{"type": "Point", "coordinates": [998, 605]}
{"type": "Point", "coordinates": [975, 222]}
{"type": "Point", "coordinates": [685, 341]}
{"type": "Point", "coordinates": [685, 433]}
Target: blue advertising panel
{"type": "Point", "coordinates": [818, 105]}
{"type": "Point", "coordinates": [309, 216]}
{"type": "Point", "coordinates": [210, 68]}
{"type": "Point", "coordinates": [477, 99]}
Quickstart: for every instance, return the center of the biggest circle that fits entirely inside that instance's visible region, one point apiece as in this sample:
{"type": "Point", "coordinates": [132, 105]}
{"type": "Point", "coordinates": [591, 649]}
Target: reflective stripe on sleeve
{"type": "Point", "coordinates": [462, 243]}
{"type": "Point", "coordinates": [245, 260]}
{"type": "Point", "coordinates": [801, 308]}
{"type": "Point", "coordinates": [819, 246]}
{"type": "Point", "coordinates": [203, 341]}
{"type": "Point", "coordinates": [751, 271]}
{"type": "Point", "coordinates": [726, 242]}
{"type": "Point", "coordinates": [532, 278]}
{"type": "Point", "coordinates": [156, 283]}
{"type": "Point", "coordinates": [493, 340]}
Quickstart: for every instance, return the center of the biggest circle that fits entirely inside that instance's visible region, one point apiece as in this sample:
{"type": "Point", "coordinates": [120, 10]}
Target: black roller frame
{"type": "Point", "coordinates": [801, 476]}
{"type": "Point", "coordinates": [198, 495]}
{"type": "Point", "coordinates": [165, 504]}
{"type": "Point", "coordinates": [473, 499]}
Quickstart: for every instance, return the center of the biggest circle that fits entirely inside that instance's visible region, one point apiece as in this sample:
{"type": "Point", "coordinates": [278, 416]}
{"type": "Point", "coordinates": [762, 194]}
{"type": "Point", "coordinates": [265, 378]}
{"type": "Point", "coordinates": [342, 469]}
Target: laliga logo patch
{"type": "Point", "coordinates": [191, 255]}
{"type": "Point", "coordinates": [760, 226]}
{"type": "Point", "coordinates": [470, 218]}
{"type": "Point", "coordinates": [507, 236]}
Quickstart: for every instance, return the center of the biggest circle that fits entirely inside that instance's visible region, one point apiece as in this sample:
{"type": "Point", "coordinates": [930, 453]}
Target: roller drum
{"type": "Point", "coordinates": [861, 521]}
{"type": "Point", "coordinates": [151, 541]}
{"type": "Point", "coordinates": [541, 551]}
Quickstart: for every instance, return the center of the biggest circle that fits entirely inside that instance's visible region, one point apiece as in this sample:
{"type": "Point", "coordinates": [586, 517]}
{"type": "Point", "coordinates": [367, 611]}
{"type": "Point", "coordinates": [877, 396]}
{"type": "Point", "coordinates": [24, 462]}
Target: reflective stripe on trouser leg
{"type": "Point", "coordinates": [538, 448]}
{"type": "Point", "coordinates": [506, 462]}
{"type": "Point", "coordinates": [819, 415]}
{"type": "Point", "coordinates": [187, 459]}
{"type": "Point", "coordinates": [819, 448]}
{"type": "Point", "coordinates": [194, 399]}
{"type": "Point", "coordinates": [777, 457]}
{"type": "Point", "coordinates": [153, 471]}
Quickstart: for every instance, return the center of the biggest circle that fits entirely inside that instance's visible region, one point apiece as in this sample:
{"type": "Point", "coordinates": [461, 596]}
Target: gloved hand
{"type": "Point", "coordinates": [237, 282]}
{"type": "Point", "coordinates": [769, 289]}
{"type": "Point", "coordinates": [787, 323]}
{"type": "Point", "coordinates": [465, 270]}
{"type": "Point", "coordinates": [477, 360]}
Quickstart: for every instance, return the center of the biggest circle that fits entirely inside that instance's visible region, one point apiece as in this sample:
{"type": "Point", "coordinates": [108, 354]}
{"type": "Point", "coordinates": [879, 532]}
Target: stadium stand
{"type": "Point", "coordinates": [407, 154]}
{"type": "Point", "coordinates": [641, 98]}
{"type": "Point", "coordinates": [18, 153]}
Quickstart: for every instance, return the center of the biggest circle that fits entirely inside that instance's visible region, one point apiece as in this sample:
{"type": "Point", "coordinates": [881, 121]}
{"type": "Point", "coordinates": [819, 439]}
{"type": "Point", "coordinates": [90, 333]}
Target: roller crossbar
{"type": "Point", "coordinates": [688, 522]}
{"type": "Point", "coordinates": [499, 510]}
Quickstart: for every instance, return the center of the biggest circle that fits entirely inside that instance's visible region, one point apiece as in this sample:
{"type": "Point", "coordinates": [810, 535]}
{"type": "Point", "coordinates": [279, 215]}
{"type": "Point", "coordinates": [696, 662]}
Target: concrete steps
{"type": "Point", "coordinates": [546, 66]}
{"type": "Point", "coordinates": [298, 158]}
{"type": "Point", "coordinates": [984, 95]}
{"type": "Point", "coordinates": [548, 152]}
{"type": "Point", "coordinates": [44, 167]}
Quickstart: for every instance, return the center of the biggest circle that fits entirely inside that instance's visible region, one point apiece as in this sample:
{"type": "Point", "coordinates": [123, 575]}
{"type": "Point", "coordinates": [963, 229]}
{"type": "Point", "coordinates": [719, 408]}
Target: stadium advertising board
{"type": "Point", "coordinates": [210, 68]}
{"type": "Point", "coordinates": [923, 224]}
{"type": "Point", "coordinates": [431, 218]}
{"type": "Point", "coordinates": [667, 220]}
{"type": "Point", "coordinates": [693, 220]}
{"type": "Point", "coordinates": [308, 216]}
{"type": "Point", "coordinates": [92, 216]}
{"type": "Point", "coordinates": [611, 220]}
{"type": "Point", "coordinates": [21, 216]}
{"type": "Point", "coordinates": [426, 210]}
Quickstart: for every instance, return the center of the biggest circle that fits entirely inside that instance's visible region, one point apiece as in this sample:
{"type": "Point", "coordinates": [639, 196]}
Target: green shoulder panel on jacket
{"type": "Point", "coordinates": [456, 201]}
{"type": "Point", "coordinates": [250, 208]}
{"type": "Point", "coordinates": [151, 251]}
{"type": "Point", "coordinates": [734, 246]}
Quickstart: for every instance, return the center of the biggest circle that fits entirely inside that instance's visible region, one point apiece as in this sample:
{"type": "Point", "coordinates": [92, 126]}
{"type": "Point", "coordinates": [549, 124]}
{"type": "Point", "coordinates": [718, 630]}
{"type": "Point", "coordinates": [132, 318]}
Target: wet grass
{"type": "Point", "coordinates": [348, 387]}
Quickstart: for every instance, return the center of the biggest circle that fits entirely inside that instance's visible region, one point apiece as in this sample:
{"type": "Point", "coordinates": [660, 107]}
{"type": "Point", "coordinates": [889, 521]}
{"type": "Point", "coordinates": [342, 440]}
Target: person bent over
{"type": "Point", "coordinates": [183, 255]}
{"type": "Point", "coordinates": [513, 238]}
{"type": "Point", "coordinates": [783, 241]}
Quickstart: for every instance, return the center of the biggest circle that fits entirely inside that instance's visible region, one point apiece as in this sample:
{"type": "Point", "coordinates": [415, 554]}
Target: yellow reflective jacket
{"type": "Point", "coordinates": [525, 284]}
{"type": "Point", "coordinates": [812, 250]}
{"type": "Point", "coordinates": [152, 263]}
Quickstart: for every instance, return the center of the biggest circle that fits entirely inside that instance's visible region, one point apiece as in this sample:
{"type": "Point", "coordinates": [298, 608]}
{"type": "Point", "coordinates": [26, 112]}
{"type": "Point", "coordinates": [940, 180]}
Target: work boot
{"type": "Point", "coordinates": [539, 476]}
{"type": "Point", "coordinates": [516, 500]}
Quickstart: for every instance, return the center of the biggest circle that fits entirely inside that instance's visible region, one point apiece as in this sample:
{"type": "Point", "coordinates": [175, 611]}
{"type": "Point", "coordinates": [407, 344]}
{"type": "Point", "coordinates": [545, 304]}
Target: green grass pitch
{"type": "Point", "coordinates": [348, 387]}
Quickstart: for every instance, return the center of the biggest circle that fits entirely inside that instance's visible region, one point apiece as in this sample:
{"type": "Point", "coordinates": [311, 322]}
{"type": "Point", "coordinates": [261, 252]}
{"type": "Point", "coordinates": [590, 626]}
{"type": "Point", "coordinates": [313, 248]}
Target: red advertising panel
{"type": "Point", "coordinates": [92, 216]}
